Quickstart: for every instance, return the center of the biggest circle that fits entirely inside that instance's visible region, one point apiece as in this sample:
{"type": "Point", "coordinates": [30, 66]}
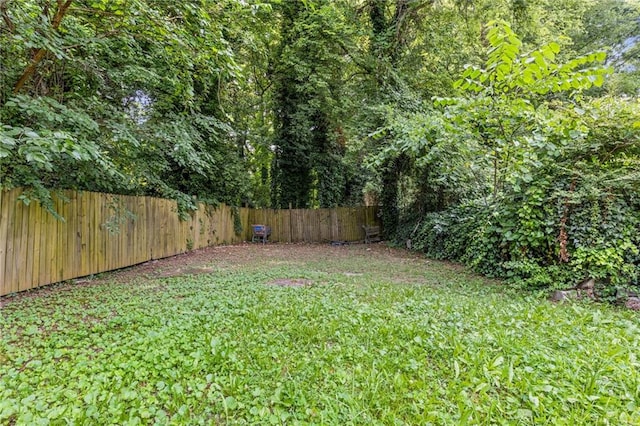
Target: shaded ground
{"type": "Point", "coordinates": [311, 334]}
{"type": "Point", "coordinates": [246, 256]}
{"type": "Point", "coordinates": [255, 256]}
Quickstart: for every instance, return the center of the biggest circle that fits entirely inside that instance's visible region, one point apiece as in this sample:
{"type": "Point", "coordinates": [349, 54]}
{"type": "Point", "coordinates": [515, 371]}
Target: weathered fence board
{"type": "Point", "coordinates": [102, 232]}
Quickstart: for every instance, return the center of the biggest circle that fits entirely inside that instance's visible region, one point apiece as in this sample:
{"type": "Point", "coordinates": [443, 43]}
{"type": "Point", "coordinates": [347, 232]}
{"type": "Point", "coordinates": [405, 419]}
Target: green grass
{"type": "Point", "coordinates": [377, 339]}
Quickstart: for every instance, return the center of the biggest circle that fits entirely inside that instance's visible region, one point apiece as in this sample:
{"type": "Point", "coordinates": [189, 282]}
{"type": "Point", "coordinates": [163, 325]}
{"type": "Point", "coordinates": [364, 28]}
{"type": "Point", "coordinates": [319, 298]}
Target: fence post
{"type": "Point", "coordinates": [290, 225]}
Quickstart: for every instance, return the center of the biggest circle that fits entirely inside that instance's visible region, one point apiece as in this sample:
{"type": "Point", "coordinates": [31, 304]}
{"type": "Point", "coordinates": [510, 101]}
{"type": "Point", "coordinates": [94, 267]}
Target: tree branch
{"type": "Point", "coordinates": [5, 16]}
{"type": "Point", "coordinates": [369, 69]}
{"type": "Point", "coordinates": [63, 6]}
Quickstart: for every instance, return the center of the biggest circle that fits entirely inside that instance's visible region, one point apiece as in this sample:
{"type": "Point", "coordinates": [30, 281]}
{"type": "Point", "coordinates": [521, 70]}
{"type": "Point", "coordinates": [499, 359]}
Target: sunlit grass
{"type": "Point", "coordinates": [376, 338]}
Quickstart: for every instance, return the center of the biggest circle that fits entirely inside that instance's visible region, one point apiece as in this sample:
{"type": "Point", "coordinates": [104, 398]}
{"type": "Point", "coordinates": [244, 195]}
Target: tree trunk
{"type": "Point", "coordinates": [40, 53]}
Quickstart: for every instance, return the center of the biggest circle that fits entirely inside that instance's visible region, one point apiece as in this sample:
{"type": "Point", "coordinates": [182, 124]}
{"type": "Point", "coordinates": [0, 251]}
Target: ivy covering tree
{"type": "Point", "coordinates": [307, 76]}
{"type": "Point", "coordinates": [523, 176]}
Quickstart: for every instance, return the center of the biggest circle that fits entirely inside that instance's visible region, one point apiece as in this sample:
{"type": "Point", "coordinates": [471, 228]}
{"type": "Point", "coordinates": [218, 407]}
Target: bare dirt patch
{"type": "Point", "coordinates": [186, 271]}
{"type": "Point", "coordinates": [284, 282]}
{"type": "Point", "coordinates": [247, 255]}
{"type": "Point", "coordinates": [244, 256]}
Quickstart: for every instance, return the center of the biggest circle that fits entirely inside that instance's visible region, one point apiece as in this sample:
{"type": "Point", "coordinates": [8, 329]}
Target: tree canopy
{"type": "Point", "coordinates": [500, 133]}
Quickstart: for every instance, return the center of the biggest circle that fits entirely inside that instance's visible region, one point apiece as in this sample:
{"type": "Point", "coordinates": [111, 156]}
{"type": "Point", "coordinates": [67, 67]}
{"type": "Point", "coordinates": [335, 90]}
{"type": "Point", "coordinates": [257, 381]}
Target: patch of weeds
{"type": "Point", "coordinates": [368, 346]}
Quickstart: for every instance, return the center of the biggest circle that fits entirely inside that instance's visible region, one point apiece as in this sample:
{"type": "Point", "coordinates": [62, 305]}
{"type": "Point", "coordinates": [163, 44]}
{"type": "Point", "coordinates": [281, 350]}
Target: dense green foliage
{"type": "Point", "coordinates": [308, 166]}
{"type": "Point", "coordinates": [378, 338]}
{"type": "Point", "coordinates": [510, 124]}
{"type": "Point", "coordinates": [118, 96]}
{"type": "Point", "coordinates": [525, 177]}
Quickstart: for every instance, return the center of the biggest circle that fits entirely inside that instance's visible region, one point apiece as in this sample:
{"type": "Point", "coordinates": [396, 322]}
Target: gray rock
{"type": "Point", "coordinates": [563, 295]}
{"type": "Point", "coordinates": [633, 303]}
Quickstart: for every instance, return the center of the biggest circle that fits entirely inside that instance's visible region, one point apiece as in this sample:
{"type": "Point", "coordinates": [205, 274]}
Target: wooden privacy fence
{"type": "Point", "coordinates": [314, 226]}
{"type": "Point", "coordinates": [102, 232]}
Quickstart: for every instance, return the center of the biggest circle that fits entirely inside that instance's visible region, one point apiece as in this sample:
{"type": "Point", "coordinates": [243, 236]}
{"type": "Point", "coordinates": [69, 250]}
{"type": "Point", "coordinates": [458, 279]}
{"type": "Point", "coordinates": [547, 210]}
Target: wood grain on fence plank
{"type": "Point", "coordinates": [10, 259]}
{"type": "Point", "coordinates": [4, 218]}
{"type": "Point", "coordinates": [16, 241]}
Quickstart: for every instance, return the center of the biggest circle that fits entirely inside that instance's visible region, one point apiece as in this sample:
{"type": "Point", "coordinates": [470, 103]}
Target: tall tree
{"type": "Point", "coordinates": [391, 23]}
{"type": "Point", "coordinates": [307, 76]}
{"type": "Point", "coordinates": [119, 96]}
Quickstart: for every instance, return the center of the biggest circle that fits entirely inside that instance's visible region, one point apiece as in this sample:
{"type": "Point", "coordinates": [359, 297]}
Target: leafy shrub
{"type": "Point", "coordinates": [510, 241]}
{"type": "Point", "coordinates": [551, 181]}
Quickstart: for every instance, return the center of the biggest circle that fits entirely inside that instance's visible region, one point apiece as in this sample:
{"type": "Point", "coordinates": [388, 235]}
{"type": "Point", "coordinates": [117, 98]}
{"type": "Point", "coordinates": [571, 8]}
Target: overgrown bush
{"type": "Point", "coordinates": [541, 183]}
{"type": "Point", "coordinates": [600, 241]}
{"type": "Point", "coordinates": [544, 237]}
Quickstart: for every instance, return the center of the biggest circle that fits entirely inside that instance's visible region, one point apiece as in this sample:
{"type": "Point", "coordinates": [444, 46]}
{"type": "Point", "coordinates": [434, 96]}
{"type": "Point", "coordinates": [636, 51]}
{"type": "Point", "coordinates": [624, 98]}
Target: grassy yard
{"type": "Point", "coordinates": [282, 334]}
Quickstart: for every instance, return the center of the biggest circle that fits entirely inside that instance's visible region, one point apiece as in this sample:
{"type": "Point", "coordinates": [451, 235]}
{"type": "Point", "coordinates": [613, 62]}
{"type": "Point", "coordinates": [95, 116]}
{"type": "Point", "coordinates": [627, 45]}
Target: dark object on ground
{"type": "Point", "coordinates": [622, 294]}
{"type": "Point", "coordinates": [260, 232]}
{"type": "Point", "coordinates": [371, 233]}
{"type": "Point", "coordinates": [585, 290]}
{"type": "Point", "coordinates": [339, 243]}
{"type": "Point", "coordinates": [628, 298]}
{"type": "Point", "coordinates": [587, 286]}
